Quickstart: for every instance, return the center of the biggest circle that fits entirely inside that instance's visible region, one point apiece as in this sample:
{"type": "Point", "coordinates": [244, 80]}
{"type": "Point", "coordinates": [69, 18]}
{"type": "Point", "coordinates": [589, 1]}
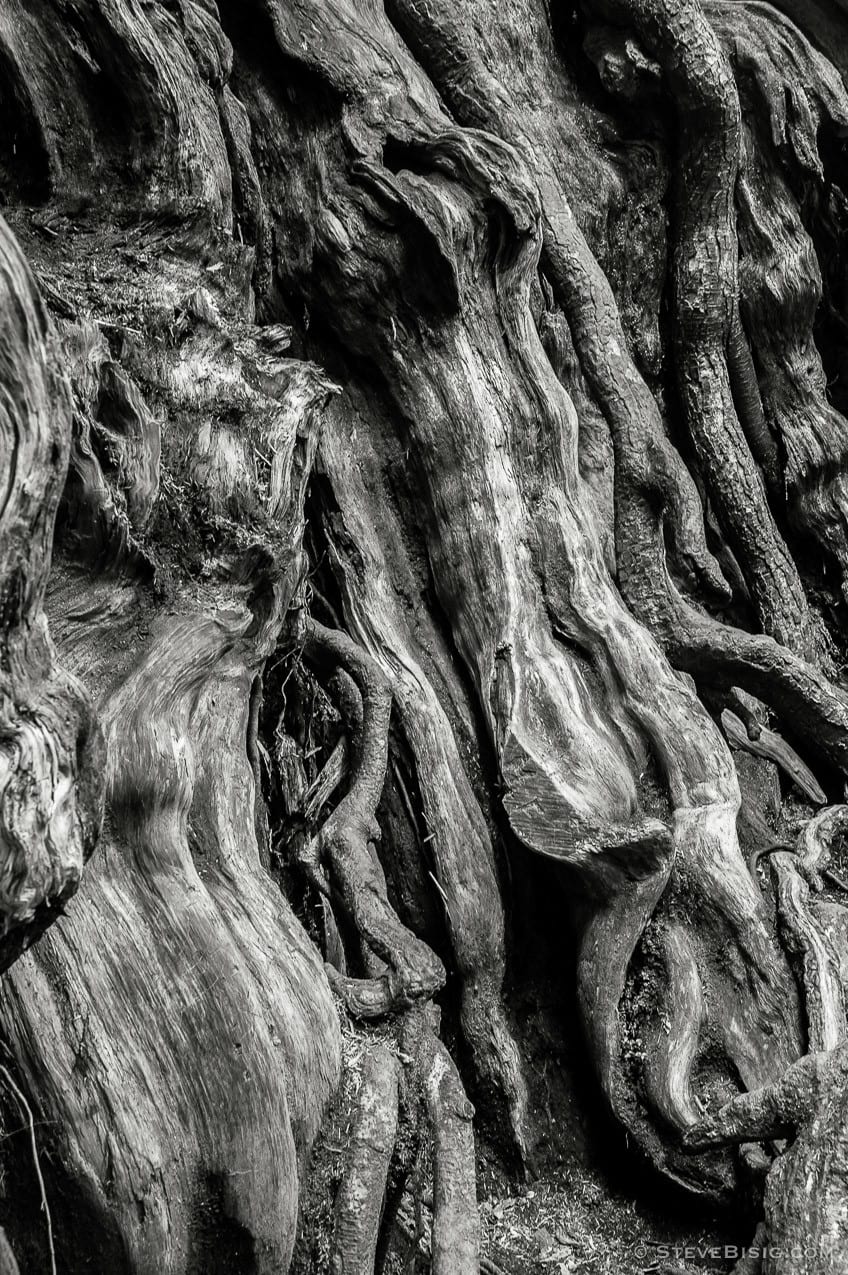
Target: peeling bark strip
{"type": "Point", "coordinates": [404, 528]}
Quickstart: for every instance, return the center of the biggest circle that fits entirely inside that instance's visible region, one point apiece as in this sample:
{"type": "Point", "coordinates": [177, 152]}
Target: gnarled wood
{"type": "Point", "coordinates": [429, 500]}
{"type": "Point", "coordinates": [51, 748]}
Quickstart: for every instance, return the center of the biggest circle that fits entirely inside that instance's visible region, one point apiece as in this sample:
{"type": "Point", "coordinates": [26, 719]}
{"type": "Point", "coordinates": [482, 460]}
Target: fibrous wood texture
{"type": "Point", "coordinates": [439, 407]}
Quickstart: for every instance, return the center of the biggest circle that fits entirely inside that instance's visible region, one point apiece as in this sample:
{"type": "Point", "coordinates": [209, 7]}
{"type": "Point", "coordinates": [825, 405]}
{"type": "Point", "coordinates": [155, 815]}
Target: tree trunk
{"type": "Point", "coordinates": [423, 455]}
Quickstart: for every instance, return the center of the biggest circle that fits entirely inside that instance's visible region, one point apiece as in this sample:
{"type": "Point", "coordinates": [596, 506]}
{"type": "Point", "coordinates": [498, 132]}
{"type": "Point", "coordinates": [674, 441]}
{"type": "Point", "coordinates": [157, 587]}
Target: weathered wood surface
{"type": "Point", "coordinates": [364, 366]}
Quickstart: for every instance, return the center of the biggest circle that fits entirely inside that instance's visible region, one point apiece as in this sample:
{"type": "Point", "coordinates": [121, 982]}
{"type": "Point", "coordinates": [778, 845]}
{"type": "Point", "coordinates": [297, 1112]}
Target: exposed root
{"type": "Point", "coordinates": [815, 841]}
{"type": "Point", "coordinates": [412, 236]}
{"type": "Point", "coordinates": [456, 1225]}
{"type": "Point", "coordinates": [455, 1245]}
{"type": "Point", "coordinates": [606, 950]}
{"type": "Point", "coordinates": [816, 709]}
{"type": "Point", "coordinates": [749, 406]}
{"type": "Point", "coordinates": [650, 479]}
{"type": "Point", "coordinates": [652, 483]}
{"type": "Point", "coordinates": [365, 998]}
{"type": "Point", "coordinates": [534, 718]}
{"type": "Point", "coordinates": [113, 478]}
{"type": "Point", "coordinates": [699, 76]}
{"type": "Point", "coordinates": [805, 1225]}
{"type": "Point", "coordinates": [791, 93]}
{"type": "Point", "coordinates": [693, 640]}
{"type": "Point", "coordinates": [775, 1111]}
{"type": "Point", "coordinates": [804, 1197]}
{"type": "Point", "coordinates": [359, 1200]}
{"type": "Point", "coordinates": [763, 852]}
{"type": "Point", "coordinates": [402, 1134]}
{"type": "Point", "coordinates": [818, 964]}
{"type": "Point", "coordinates": [802, 931]}
{"type": "Point", "coordinates": [375, 581]}
{"type": "Point", "coordinates": [677, 1033]}
{"type": "Point", "coordinates": [415, 972]}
